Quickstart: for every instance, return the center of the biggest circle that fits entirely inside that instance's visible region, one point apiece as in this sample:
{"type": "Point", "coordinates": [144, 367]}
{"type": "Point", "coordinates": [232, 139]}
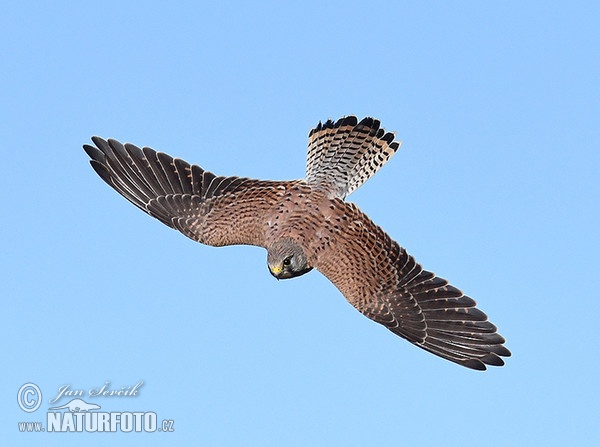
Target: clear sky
{"type": "Point", "coordinates": [496, 188]}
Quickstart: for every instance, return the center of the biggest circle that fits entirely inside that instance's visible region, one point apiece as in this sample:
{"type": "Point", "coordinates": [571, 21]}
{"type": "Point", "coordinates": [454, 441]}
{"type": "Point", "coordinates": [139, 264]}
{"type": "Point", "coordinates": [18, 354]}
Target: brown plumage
{"type": "Point", "coordinates": [306, 224]}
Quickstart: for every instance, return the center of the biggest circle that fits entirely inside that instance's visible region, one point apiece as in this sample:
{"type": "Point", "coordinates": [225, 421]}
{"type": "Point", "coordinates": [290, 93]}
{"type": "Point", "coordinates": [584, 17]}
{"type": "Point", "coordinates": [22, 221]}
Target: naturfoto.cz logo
{"type": "Point", "coordinates": [79, 415]}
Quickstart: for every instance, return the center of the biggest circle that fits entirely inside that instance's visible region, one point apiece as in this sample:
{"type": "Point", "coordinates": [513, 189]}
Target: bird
{"type": "Point", "coordinates": [307, 224]}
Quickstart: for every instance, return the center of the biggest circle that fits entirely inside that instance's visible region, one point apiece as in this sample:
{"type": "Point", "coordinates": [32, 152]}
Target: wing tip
{"type": "Point", "coordinates": [481, 363]}
{"type": "Point", "coordinates": [475, 364]}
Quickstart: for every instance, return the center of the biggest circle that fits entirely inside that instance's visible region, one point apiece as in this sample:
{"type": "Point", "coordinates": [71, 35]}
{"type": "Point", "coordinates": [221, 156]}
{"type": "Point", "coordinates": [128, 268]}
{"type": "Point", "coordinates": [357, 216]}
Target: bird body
{"type": "Point", "coordinates": [306, 224]}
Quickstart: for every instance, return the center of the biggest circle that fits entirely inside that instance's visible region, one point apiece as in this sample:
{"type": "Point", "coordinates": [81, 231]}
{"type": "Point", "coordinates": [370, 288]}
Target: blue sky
{"type": "Point", "coordinates": [496, 187]}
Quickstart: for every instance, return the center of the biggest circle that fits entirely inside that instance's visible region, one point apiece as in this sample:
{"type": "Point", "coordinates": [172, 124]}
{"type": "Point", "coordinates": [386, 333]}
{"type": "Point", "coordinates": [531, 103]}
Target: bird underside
{"type": "Point", "coordinates": [305, 224]}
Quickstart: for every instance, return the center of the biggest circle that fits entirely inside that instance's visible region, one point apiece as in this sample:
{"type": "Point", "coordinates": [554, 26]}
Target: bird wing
{"type": "Point", "coordinates": [381, 280]}
{"type": "Point", "coordinates": [209, 209]}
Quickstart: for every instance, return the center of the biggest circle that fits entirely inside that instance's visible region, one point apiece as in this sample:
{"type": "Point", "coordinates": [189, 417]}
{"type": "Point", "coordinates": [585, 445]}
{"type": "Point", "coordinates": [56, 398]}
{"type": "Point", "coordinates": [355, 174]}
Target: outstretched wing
{"type": "Point", "coordinates": [209, 209]}
{"type": "Point", "coordinates": [387, 285]}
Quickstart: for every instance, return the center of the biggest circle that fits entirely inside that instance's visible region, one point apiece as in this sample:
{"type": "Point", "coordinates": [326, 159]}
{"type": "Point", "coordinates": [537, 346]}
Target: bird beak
{"type": "Point", "coordinates": [276, 271]}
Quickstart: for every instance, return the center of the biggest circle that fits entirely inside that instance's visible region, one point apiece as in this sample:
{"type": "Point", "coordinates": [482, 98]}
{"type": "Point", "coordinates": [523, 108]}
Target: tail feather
{"type": "Point", "coordinates": [342, 155]}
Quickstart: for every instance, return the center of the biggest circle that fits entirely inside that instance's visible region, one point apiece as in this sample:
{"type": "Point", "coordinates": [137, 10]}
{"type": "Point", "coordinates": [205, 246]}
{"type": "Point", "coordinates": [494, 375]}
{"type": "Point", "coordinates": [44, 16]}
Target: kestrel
{"type": "Point", "coordinates": [306, 224]}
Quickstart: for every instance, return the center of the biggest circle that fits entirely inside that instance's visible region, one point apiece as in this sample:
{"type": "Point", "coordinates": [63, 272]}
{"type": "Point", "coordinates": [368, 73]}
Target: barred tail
{"type": "Point", "coordinates": [345, 154]}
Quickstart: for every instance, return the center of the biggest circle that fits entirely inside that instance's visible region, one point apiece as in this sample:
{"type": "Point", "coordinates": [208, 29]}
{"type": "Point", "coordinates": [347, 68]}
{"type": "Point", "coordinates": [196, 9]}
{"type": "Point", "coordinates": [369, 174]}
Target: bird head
{"type": "Point", "coordinates": [286, 259]}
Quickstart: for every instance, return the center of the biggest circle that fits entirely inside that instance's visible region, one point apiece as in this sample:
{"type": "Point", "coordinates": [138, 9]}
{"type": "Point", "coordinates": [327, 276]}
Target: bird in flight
{"type": "Point", "coordinates": [306, 224]}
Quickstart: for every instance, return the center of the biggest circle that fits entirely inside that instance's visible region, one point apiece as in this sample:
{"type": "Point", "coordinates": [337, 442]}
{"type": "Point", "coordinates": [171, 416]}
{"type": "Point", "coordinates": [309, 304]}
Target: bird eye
{"type": "Point", "coordinates": [287, 262]}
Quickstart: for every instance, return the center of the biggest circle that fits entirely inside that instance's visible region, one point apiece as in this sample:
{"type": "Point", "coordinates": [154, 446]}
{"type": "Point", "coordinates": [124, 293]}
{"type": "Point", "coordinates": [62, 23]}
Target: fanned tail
{"type": "Point", "coordinates": [342, 155]}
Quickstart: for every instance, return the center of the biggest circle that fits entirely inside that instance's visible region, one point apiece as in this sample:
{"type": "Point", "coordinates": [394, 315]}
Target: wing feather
{"type": "Point", "coordinates": [209, 209]}
{"type": "Point", "coordinates": [396, 292]}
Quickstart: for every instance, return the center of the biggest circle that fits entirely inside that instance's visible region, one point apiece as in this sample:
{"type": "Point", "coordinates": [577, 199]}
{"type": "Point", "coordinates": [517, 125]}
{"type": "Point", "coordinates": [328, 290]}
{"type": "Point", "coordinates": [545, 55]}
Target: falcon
{"type": "Point", "coordinates": [305, 224]}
